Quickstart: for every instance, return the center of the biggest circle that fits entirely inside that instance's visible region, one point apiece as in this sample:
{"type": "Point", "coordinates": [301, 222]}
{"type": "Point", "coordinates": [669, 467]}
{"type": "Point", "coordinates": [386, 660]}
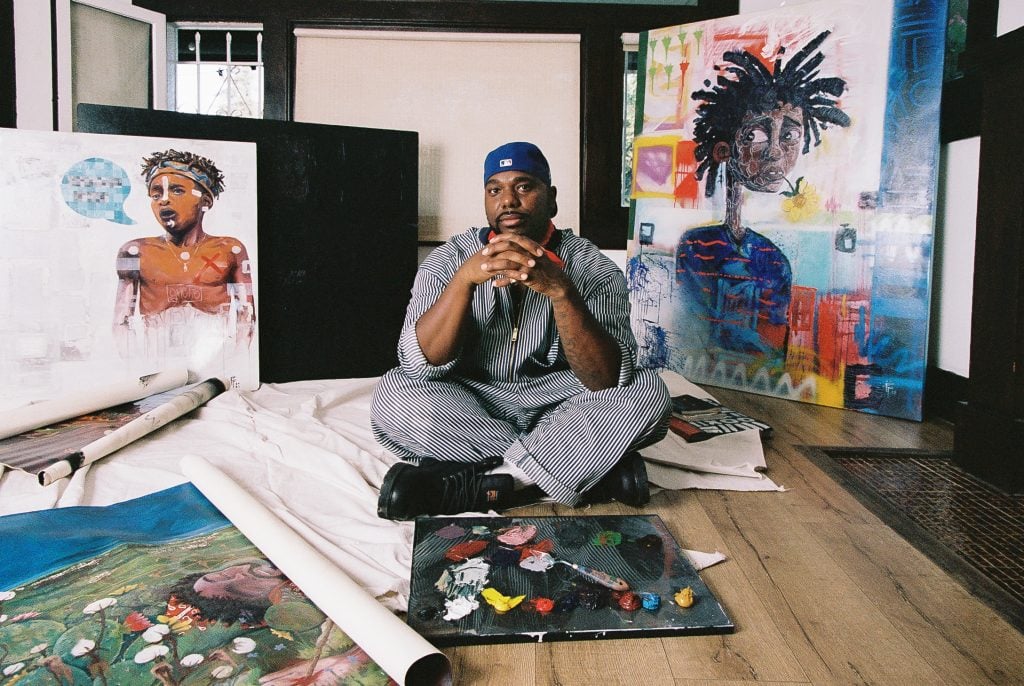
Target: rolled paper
{"type": "Point", "coordinates": [406, 656]}
{"type": "Point", "coordinates": [133, 430]}
{"type": "Point", "coordinates": [46, 412]}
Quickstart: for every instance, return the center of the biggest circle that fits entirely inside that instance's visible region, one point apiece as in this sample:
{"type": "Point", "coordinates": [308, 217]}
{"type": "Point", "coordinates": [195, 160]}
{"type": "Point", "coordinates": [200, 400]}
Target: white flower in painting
{"type": "Point", "coordinates": [39, 648]}
{"type": "Point", "coordinates": [192, 660]}
{"type": "Point", "coordinates": [3, 618]}
{"type": "Point", "coordinates": [243, 645]}
{"type": "Point", "coordinates": [13, 669]}
{"type": "Point", "coordinates": [156, 633]}
{"type": "Point", "coordinates": [150, 653]}
{"type": "Point", "coordinates": [83, 646]}
{"type": "Point", "coordinates": [101, 604]}
{"type": "Point", "coordinates": [222, 672]}
{"type": "Point", "coordinates": [7, 595]}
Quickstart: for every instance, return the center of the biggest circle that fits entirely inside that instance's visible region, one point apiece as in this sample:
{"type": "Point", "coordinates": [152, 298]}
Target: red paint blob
{"type": "Point", "coordinates": [539, 605]}
{"type": "Point", "coordinates": [544, 546]}
{"type": "Point", "coordinates": [629, 601]}
{"type": "Point", "coordinates": [464, 551]}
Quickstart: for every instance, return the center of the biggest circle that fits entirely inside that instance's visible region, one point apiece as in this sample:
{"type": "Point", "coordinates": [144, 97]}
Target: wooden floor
{"type": "Point", "coordinates": [820, 590]}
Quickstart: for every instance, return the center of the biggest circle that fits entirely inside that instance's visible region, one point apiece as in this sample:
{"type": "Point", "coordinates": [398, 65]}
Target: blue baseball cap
{"type": "Point", "coordinates": [517, 156]}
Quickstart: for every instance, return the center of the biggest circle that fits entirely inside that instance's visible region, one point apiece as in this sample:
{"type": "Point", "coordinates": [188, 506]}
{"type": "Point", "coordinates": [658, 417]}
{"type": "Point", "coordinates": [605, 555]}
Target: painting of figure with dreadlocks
{"type": "Point", "coordinates": [775, 161]}
{"type": "Point", "coordinates": [755, 122]}
{"type": "Point", "coordinates": [185, 275]}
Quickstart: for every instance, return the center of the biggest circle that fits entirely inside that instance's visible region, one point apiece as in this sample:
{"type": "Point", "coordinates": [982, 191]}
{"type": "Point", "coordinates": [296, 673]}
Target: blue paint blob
{"type": "Point", "coordinates": [650, 601]}
{"type": "Point", "coordinates": [97, 188]}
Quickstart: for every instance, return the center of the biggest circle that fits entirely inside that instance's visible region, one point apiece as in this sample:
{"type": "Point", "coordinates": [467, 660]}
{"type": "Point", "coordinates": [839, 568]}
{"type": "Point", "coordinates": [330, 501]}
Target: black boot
{"type": "Point", "coordinates": [436, 487]}
{"type": "Point", "coordinates": [626, 483]}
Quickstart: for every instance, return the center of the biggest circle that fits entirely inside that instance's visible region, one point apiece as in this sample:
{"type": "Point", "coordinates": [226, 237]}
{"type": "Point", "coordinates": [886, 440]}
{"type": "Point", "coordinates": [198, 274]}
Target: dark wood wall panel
{"type": "Point", "coordinates": [8, 89]}
{"type": "Point", "coordinates": [990, 432]}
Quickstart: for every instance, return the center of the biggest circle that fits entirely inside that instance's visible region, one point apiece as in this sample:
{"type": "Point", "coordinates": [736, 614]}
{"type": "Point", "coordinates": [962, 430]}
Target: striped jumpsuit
{"type": "Point", "coordinates": [510, 391]}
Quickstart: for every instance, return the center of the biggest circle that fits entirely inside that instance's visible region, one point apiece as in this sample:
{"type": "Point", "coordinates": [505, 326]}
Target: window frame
{"type": "Point", "coordinates": [157, 59]}
{"type": "Point", "coordinates": [173, 27]}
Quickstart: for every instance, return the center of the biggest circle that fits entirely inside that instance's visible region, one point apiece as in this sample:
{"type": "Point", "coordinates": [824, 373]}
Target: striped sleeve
{"type": "Point", "coordinates": [432, 277]}
{"type": "Point", "coordinates": [602, 286]}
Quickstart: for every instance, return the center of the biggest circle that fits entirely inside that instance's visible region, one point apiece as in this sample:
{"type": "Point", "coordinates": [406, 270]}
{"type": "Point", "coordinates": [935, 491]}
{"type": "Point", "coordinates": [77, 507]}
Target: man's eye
{"type": "Point", "coordinates": [791, 135]}
{"type": "Point", "coordinates": [755, 136]}
{"type": "Point", "coordinates": [524, 187]}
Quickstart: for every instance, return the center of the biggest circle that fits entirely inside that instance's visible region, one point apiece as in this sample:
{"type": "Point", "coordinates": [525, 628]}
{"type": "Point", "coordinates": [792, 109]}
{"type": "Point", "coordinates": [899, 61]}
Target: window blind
{"type": "Point", "coordinates": [464, 93]}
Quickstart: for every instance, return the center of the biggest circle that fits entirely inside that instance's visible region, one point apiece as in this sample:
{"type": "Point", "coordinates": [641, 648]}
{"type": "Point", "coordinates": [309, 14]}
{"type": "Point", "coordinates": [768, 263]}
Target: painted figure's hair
{"type": "Point", "coordinates": [200, 169]}
{"type": "Point", "coordinates": [748, 86]}
{"type": "Point", "coordinates": [228, 610]}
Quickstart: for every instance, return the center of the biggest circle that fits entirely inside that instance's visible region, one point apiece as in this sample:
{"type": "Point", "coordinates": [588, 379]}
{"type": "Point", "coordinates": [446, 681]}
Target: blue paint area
{"type": "Point", "coordinates": [636, 273]}
{"type": "Point", "coordinates": [900, 290]}
{"type": "Point", "coordinates": [654, 350]}
{"type": "Point", "coordinates": [810, 254]}
{"type": "Point", "coordinates": [34, 544]}
{"type": "Point", "coordinates": [910, 146]}
{"type": "Point", "coordinates": [97, 188]}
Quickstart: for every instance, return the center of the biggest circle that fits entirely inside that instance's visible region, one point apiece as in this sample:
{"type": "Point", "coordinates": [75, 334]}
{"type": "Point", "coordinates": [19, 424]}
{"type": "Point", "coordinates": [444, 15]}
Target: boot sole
{"type": "Point", "coordinates": [384, 504]}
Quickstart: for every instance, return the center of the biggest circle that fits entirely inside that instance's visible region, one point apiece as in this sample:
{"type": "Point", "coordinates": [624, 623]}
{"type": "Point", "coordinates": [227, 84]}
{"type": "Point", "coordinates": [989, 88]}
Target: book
{"type": "Point", "coordinates": [524, 579]}
{"type": "Point", "coordinates": [167, 589]}
{"type": "Point", "coordinates": [699, 422]}
{"type": "Point", "coordinates": [688, 405]}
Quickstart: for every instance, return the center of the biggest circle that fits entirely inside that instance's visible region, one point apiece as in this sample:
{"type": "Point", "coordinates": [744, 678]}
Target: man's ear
{"type": "Point", "coordinates": [552, 199]}
{"type": "Point", "coordinates": [721, 152]}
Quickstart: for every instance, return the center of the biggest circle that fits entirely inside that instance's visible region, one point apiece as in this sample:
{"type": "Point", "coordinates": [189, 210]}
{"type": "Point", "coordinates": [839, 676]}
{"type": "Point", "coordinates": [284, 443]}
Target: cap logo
{"type": "Point", "coordinates": [507, 162]}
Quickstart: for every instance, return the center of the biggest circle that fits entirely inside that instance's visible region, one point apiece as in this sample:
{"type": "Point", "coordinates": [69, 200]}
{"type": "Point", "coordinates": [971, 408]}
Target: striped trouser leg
{"type": "Point", "coordinates": [435, 418]}
{"type": "Point", "coordinates": [578, 441]}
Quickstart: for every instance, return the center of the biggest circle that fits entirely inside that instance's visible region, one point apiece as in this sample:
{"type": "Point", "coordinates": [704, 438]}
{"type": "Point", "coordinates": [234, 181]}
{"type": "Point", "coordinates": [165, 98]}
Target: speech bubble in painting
{"type": "Point", "coordinates": [97, 188]}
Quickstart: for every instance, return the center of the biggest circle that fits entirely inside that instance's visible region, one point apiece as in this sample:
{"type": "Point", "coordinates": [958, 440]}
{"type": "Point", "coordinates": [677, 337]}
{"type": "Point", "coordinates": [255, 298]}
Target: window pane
{"type": "Point", "coordinates": [110, 59]}
{"type": "Point", "coordinates": [219, 89]}
{"type": "Point", "coordinates": [219, 71]}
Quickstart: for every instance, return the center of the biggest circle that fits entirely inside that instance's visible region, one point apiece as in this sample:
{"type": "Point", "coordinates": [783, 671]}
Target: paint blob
{"type": "Point", "coordinates": [607, 538]}
{"type": "Point", "coordinates": [629, 601]}
{"type": "Point", "coordinates": [649, 544]}
{"type": "Point", "coordinates": [684, 598]}
{"type": "Point", "coordinates": [451, 531]}
{"type": "Point", "coordinates": [499, 601]}
{"type": "Point", "coordinates": [518, 535]}
{"type": "Point", "coordinates": [650, 601]}
{"type": "Point", "coordinates": [459, 608]}
{"type": "Point", "coordinates": [542, 605]}
{"type": "Point", "coordinates": [465, 550]}
{"type": "Point", "coordinates": [504, 557]}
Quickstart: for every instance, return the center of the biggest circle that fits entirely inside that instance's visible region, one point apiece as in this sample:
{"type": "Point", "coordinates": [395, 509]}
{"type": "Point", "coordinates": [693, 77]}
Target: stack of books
{"type": "Point", "coordinates": [698, 419]}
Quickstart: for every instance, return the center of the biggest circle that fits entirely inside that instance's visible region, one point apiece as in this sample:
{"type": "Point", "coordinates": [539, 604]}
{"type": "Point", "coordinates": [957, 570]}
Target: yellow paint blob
{"type": "Point", "coordinates": [684, 598]}
{"type": "Point", "coordinates": [499, 601]}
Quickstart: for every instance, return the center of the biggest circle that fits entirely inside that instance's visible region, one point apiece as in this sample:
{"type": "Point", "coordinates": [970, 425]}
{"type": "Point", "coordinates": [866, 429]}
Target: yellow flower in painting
{"type": "Point", "coordinates": [802, 201]}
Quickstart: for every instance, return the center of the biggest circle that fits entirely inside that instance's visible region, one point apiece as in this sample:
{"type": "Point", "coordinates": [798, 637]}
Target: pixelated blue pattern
{"type": "Point", "coordinates": [97, 188]}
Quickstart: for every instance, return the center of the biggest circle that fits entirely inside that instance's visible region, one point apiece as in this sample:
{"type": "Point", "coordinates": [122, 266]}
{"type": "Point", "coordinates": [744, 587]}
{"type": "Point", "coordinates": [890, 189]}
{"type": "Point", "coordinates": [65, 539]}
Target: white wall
{"type": "Point", "coordinates": [1011, 16]}
{"type": "Point", "coordinates": [33, 64]}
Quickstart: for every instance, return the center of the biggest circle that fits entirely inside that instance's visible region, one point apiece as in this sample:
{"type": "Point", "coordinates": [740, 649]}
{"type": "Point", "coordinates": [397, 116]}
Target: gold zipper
{"type": "Point", "coordinates": [517, 304]}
